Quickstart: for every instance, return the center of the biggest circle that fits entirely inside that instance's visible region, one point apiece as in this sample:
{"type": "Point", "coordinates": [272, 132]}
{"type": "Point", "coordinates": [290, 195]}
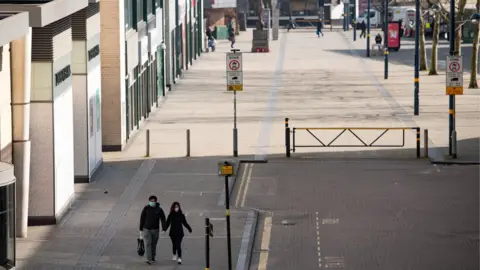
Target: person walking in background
{"type": "Point", "coordinates": [152, 215]}
{"type": "Point", "coordinates": [363, 27]}
{"type": "Point", "coordinates": [319, 28]}
{"type": "Point", "coordinates": [176, 220]}
{"type": "Point", "coordinates": [231, 35]}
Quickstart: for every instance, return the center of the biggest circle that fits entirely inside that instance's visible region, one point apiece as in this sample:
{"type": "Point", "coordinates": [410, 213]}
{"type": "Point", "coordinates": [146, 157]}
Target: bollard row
{"type": "Point", "coordinates": [148, 143]}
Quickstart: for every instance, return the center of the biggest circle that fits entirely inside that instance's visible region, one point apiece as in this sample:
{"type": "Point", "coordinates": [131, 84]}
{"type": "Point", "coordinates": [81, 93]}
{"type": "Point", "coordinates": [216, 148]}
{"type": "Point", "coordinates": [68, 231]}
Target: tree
{"type": "Point", "coordinates": [423, 50]}
{"type": "Point", "coordinates": [474, 64]}
{"type": "Point", "coordinates": [434, 56]}
{"type": "Point", "coordinates": [458, 32]}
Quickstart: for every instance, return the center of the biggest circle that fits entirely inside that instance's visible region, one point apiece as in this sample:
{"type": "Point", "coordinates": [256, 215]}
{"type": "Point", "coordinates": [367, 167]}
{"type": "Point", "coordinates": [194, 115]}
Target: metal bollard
{"type": "Point", "coordinates": [418, 142]}
{"type": "Point", "coordinates": [287, 138]}
{"type": "Point", "coordinates": [207, 243]}
{"type": "Point", "coordinates": [147, 150]}
{"type": "Point", "coordinates": [425, 142]}
{"type": "Point", "coordinates": [188, 142]}
{"type": "Point", "coordinates": [454, 144]}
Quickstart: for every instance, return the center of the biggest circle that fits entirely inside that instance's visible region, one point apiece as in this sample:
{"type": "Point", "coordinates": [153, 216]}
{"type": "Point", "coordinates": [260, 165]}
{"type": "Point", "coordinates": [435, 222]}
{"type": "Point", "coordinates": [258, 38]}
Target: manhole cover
{"type": "Point", "coordinates": [334, 262]}
{"type": "Point", "coordinates": [287, 222]}
{"type": "Point", "coordinates": [330, 221]}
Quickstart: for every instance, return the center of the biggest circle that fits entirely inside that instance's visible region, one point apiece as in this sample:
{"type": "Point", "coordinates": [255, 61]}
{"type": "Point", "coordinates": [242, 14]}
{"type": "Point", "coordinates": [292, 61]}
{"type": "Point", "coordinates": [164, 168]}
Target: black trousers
{"type": "Point", "coordinates": [177, 246]}
{"type": "Point", "coordinates": [363, 34]}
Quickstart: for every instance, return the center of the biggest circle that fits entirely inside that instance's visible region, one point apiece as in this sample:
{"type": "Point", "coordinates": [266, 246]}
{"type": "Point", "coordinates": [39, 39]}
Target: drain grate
{"type": "Point", "coordinates": [334, 262]}
{"type": "Point", "coordinates": [287, 222]}
{"type": "Point", "coordinates": [330, 221]}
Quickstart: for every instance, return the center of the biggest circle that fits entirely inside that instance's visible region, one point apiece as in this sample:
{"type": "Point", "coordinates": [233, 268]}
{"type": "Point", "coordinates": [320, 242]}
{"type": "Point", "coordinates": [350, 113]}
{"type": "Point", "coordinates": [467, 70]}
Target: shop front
{"type": "Point", "coordinates": [7, 216]}
{"type": "Point", "coordinates": [86, 73]}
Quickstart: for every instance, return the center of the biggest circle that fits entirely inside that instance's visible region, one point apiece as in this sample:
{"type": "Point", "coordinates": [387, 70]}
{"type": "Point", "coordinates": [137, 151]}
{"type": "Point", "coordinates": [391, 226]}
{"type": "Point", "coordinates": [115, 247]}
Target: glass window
{"type": "Point", "coordinates": [149, 7]}
{"type": "Point", "coordinates": [7, 225]}
{"type": "Point", "coordinates": [139, 10]}
{"type": "Point", "coordinates": [129, 14]}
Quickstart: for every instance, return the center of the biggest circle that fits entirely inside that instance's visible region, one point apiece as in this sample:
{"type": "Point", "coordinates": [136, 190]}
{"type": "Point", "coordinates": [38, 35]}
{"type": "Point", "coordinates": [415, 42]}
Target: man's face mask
{"type": "Point", "coordinates": [152, 204]}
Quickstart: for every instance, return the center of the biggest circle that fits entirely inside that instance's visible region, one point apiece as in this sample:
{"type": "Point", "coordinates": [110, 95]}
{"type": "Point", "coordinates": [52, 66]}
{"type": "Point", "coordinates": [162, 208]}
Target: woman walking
{"type": "Point", "coordinates": [176, 220]}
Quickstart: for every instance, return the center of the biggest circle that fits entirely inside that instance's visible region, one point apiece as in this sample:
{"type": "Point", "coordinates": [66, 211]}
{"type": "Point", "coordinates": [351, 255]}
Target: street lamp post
{"type": "Point", "coordinates": [385, 41]}
{"type": "Point", "coordinates": [368, 27]}
{"type": "Point", "coordinates": [451, 98]}
{"type": "Point", "coordinates": [416, 80]}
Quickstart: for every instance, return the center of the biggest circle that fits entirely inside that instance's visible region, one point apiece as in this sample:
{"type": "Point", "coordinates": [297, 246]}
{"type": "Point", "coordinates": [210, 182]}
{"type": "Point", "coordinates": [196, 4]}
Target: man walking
{"type": "Point", "coordinates": [363, 27]}
{"type": "Point", "coordinates": [152, 215]}
{"type": "Point", "coordinates": [319, 28]}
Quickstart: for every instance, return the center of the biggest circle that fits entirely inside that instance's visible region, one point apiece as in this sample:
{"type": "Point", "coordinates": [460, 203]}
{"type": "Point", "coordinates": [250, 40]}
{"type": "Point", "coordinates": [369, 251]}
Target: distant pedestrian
{"type": "Point", "coordinates": [231, 36]}
{"type": "Point", "coordinates": [176, 220]}
{"type": "Point", "coordinates": [363, 27]}
{"type": "Point", "coordinates": [152, 215]}
{"type": "Point", "coordinates": [319, 28]}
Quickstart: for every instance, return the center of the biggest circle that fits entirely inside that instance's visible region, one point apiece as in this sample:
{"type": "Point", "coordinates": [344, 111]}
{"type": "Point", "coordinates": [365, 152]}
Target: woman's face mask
{"type": "Point", "coordinates": [152, 204]}
{"type": "Point", "coordinates": [177, 209]}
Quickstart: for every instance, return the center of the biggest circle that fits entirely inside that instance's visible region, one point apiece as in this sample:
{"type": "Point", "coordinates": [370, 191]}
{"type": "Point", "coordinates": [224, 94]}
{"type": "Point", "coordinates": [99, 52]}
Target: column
{"type": "Point", "coordinates": [86, 80]}
{"type": "Point", "coordinates": [52, 169]}
{"type": "Point", "coordinates": [21, 83]}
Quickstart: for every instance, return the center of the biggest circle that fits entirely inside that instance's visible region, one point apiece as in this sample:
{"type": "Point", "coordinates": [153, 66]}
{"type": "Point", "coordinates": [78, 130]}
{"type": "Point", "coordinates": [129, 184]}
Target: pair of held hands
{"type": "Point", "coordinates": [161, 233]}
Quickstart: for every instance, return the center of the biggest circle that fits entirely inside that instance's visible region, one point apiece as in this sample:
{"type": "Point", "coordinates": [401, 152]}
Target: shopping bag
{"type": "Point", "coordinates": [140, 247]}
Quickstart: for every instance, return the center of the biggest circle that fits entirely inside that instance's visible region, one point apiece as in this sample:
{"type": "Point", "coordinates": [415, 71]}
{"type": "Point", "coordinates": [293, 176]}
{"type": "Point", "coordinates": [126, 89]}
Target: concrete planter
{"type": "Point", "coordinates": [260, 41]}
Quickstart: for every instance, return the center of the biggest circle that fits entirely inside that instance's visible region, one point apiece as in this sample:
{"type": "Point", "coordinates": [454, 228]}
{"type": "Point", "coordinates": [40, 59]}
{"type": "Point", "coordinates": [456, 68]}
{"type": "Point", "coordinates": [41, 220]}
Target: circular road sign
{"type": "Point", "coordinates": [234, 65]}
{"type": "Point", "coordinates": [454, 67]}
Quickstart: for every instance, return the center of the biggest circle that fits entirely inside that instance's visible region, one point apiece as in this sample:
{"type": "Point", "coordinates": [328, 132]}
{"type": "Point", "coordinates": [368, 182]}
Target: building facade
{"type": "Point", "coordinates": [132, 70]}
{"type": "Point", "coordinates": [51, 187]}
{"type": "Point", "coordinates": [14, 57]}
{"type": "Point", "coordinates": [86, 80]}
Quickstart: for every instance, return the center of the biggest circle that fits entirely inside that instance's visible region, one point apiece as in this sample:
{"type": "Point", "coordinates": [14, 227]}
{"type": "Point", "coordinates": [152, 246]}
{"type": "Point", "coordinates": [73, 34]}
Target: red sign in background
{"type": "Point", "coordinates": [393, 35]}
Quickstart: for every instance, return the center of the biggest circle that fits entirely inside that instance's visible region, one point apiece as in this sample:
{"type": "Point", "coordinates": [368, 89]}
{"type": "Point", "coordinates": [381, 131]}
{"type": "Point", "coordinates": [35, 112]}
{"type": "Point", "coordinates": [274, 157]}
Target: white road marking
{"type": "Point", "coordinates": [319, 252]}
{"type": "Point", "coordinates": [265, 245]}
{"type": "Point", "coordinates": [247, 183]}
{"type": "Point", "coordinates": [242, 183]}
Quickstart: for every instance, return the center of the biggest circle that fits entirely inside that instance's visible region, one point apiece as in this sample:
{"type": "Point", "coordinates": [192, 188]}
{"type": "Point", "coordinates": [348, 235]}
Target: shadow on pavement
{"type": "Point", "coordinates": [100, 230]}
{"type": "Point", "coordinates": [405, 56]}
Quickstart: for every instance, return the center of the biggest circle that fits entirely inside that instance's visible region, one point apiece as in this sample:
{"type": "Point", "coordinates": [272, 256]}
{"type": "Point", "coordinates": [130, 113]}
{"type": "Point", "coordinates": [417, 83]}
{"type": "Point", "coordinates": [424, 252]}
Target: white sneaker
{"type": "Point", "coordinates": [179, 261]}
{"type": "Point", "coordinates": [174, 258]}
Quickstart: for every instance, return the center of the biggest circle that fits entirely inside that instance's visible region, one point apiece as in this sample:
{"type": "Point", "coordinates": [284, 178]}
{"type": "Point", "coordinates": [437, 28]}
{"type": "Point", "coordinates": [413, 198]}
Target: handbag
{"type": "Point", "coordinates": [140, 247]}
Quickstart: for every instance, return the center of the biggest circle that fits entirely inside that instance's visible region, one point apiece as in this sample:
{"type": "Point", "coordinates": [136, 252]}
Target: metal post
{"type": "Point", "coordinates": [451, 98]}
{"type": "Point", "coordinates": [347, 16]}
{"type": "Point", "coordinates": [425, 142]}
{"type": "Point", "coordinates": [385, 41]}
{"type": "Point", "coordinates": [287, 138]}
{"type": "Point", "coordinates": [207, 243]}
{"type": "Point", "coordinates": [227, 214]}
{"type": "Point", "coordinates": [368, 27]}
{"type": "Point", "coordinates": [416, 80]}
{"type": "Point", "coordinates": [188, 142]}
{"type": "Point", "coordinates": [354, 30]}
{"type": "Point", "coordinates": [147, 150]}
{"type": "Point", "coordinates": [235, 131]}
{"type": "Point", "coordinates": [454, 144]}
{"type": "Point", "coordinates": [344, 15]}
{"type": "Point", "coordinates": [418, 142]}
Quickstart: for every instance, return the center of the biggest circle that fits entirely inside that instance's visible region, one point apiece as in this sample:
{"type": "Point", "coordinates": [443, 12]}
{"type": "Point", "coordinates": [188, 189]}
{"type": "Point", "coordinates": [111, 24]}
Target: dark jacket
{"type": "Point", "coordinates": [151, 217]}
{"type": "Point", "coordinates": [319, 25]}
{"type": "Point", "coordinates": [176, 221]}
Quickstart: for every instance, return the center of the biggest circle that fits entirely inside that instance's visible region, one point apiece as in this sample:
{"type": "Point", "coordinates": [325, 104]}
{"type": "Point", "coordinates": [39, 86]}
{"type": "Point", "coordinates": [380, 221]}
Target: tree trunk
{"type": "Point", "coordinates": [474, 64]}
{"type": "Point", "coordinates": [259, 8]}
{"type": "Point", "coordinates": [423, 51]}
{"type": "Point", "coordinates": [458, 18]}
{"type": "Point", "coordinates": [434, 56]}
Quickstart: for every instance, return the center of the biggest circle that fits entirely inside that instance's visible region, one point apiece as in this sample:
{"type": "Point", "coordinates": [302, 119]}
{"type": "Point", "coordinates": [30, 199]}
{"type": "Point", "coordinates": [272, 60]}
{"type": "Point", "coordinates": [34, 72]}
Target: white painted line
{"type": "Point", "coordinates": [247, 183]}
{"type": "Point", "coordinates": [319, 252]}
{"type": "Point", "coordinates": [242, 183]}
{"type": "Point", "coordinates": [265, 245]}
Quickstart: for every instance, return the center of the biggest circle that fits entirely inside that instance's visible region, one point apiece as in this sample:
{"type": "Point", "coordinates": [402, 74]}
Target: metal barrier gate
{"type": "Point", "coordinates": [291, 145]}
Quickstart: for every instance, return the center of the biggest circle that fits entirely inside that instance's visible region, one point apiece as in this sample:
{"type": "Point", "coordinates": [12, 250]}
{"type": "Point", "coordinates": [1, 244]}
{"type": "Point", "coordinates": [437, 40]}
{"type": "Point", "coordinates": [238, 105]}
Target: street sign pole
{"type": "Point", "coordinates": [235, 83]}
{"type": "Point", "coordinates": [235, 131]}
{"type": "Point", "coordinates": [227, 169]}
{"type": "Point", "coordinates": [451, 98]}
{"type": "Point", "coordinates": [368, 27]}
{"type": "Point", "coordinates": [454, 86]}
{"type": "Point", "coordinates": [385, 42]}
{"type": "Point", "coordinates": [416, 79]}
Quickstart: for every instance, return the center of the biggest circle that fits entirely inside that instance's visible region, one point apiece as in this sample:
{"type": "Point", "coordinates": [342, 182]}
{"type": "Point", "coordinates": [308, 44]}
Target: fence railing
{"type": "Point", "coordinates": [291, 143]}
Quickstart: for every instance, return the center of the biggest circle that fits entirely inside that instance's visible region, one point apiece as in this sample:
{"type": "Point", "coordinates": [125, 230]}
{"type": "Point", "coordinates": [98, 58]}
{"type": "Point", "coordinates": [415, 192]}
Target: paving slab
{"type": "Point", "coordinates": [302, 78]}
{"type": "Point", "coordinates": [365, 214]}
{"type": "Point", "coordinates": [101, 229]}
{"type": "Point", "coordinates": [433, 101]}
